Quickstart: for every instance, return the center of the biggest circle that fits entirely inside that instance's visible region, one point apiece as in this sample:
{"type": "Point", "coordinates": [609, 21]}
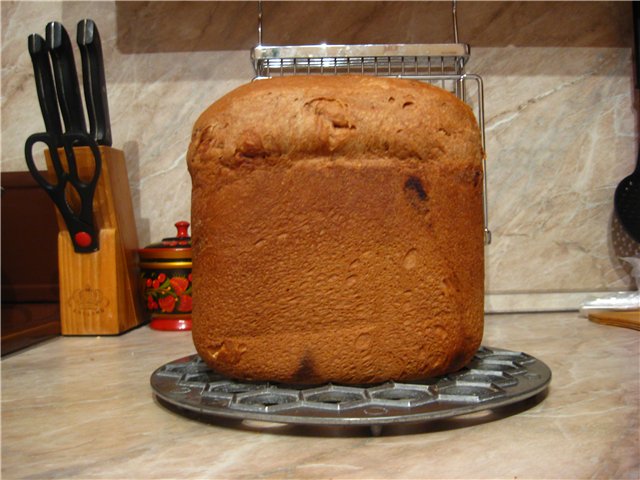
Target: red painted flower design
{"type": "Point", "coordinates": [167, 294]}
{"type": "Point", "coordinates": [151, 303]}
{"type": "Point", "coordinates": [179, 285]}
{"type": "Point", "coordinates": [167, 304]}
{"type": "Point", "coordinates": [185, 303]}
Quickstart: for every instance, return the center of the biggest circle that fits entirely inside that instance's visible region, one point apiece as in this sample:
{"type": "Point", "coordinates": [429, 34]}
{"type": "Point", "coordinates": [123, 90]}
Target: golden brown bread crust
{"type": "Point", "coordinates": [337, 231]}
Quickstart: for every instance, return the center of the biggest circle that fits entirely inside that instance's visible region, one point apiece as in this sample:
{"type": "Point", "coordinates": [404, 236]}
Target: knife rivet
{"type": "Point", "coordinates": [83, 239]}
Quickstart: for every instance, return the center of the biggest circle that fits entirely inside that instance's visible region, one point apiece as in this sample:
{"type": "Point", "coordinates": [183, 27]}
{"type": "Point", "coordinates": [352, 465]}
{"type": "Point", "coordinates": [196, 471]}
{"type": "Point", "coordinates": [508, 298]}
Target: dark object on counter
{"type": "Point", "coordinates": [165, 280]}
{"type": "Point", "coordinates": [626, 199]}
{"type": "Point", "coordinates": [30, 308]}
{"type": "Point", "coordinates": [627, 202]}
{"type": "Point", "coordinates": [95, 87]}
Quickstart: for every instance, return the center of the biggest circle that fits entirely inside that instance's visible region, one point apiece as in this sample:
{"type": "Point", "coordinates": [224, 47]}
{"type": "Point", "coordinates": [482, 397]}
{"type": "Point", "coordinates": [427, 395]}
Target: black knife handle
{"type": "Point", "coordinates": [44, 84]}
{"type": "Point", "coordinates": [64, 71]}
{"type": "Point", "coordinates": [93, 78]}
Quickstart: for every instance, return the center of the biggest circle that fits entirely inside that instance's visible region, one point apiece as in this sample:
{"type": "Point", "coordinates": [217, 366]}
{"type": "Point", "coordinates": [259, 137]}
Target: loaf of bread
{"type": "Point", "coordinates": [337, 230]}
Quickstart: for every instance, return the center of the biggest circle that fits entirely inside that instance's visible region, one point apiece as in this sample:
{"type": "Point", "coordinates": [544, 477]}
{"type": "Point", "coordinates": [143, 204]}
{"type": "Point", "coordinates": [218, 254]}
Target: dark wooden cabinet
{"type": "Point", "coordinates": [30, 306]}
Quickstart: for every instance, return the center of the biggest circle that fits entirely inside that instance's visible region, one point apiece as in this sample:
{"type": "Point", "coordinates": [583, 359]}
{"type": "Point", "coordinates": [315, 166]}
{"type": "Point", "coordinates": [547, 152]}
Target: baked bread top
{"type": "Point", "coordinates": [335, 116]}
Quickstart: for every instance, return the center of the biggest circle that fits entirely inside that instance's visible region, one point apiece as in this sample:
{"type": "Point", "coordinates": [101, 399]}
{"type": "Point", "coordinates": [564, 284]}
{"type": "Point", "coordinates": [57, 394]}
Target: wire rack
{"type": "Point", "coordinates": [494, 378]}
{"type": "Point", "coordinates": [441, 64]}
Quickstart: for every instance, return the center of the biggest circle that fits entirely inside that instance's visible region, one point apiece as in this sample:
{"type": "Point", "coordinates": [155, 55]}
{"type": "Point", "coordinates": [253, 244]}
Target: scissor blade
{"type": "Point", "coordinates": [44, 83]}
{"type": "Point", "coordinates": [64, 70]}
{"type": "Point", "coordinates": [85, 164]}
{"type": "Point", "coordinates": [93, 77]}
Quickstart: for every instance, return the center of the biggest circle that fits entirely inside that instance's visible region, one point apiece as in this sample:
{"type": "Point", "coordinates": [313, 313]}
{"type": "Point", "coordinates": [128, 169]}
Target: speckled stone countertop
{"type": "Point", "coordinates": [82, 407]}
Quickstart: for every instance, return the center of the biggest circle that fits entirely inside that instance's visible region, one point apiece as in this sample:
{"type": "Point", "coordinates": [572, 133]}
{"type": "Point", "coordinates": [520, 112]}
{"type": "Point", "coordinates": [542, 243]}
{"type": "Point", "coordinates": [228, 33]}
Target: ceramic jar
{"type": "Point", "coordinates": [165, 280]}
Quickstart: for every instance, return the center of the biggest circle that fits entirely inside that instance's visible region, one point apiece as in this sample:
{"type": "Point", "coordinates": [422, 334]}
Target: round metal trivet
{"type": "Point", "coordinates": [494, 378]}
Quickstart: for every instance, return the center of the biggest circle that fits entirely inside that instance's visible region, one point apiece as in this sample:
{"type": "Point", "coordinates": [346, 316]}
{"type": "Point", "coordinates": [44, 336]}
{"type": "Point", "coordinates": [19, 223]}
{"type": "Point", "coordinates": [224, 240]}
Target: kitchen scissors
{"type": "Point", "coordinates": [79, 222]}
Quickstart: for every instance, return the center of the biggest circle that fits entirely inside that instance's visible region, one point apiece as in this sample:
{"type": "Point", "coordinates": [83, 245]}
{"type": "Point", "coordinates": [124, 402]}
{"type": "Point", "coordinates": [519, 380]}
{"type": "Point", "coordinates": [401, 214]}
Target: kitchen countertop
{"type": "Point", "coordinates": [82, 407]}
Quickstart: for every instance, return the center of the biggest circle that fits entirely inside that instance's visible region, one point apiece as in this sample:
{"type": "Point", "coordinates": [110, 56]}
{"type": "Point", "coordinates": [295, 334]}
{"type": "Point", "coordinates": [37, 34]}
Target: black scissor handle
{"type": "Point", "coordinates": [79, 224]}
{"type": "Point", "coordinates": [51, 141]}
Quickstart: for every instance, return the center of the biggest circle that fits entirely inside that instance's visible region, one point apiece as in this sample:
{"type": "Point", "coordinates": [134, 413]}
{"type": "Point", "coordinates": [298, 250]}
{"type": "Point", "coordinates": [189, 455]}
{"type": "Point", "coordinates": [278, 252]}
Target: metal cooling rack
{"type": "Point", "coordinates": [442, 64]}
{"type": "Point", "coordinates": [494, 378]}
{"type": "Point", "coordinates": [382, 59]}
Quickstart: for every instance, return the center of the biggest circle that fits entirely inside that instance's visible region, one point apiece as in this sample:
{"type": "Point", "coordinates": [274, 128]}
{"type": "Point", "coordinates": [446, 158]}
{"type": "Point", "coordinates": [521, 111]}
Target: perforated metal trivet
{"type": "Point", "coordinates": [494, 378]}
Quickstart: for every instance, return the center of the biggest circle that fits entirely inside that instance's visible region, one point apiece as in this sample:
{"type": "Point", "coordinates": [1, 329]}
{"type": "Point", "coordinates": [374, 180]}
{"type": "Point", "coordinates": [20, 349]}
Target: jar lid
{"type": "Point", "coordinates": [170, 248]}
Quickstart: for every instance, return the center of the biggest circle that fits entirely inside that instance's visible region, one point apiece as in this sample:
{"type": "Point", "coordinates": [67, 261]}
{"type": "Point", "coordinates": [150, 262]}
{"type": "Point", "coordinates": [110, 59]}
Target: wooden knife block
{"type": "Point", "coordinates": [98, 290]}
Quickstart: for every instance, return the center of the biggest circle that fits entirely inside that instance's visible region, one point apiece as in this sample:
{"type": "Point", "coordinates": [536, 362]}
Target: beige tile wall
{"type": "Point", "coordinates": [559, 106]}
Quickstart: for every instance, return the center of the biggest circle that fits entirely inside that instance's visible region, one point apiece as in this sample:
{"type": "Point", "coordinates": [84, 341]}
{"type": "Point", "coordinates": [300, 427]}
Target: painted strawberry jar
{"type": "Point", "coordinates": [165, 280]}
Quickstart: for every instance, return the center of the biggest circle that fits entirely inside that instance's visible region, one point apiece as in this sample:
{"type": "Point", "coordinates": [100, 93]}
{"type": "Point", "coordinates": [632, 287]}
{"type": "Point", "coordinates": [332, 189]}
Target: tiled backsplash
{"type": "Point", "coordinates": [559, 106]}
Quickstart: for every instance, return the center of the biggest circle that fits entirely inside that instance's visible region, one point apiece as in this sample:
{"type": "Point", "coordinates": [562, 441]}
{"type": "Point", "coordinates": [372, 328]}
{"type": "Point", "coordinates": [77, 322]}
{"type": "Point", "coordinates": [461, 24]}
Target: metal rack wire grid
{"type": "Point", "coordinates": [440, 64]}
